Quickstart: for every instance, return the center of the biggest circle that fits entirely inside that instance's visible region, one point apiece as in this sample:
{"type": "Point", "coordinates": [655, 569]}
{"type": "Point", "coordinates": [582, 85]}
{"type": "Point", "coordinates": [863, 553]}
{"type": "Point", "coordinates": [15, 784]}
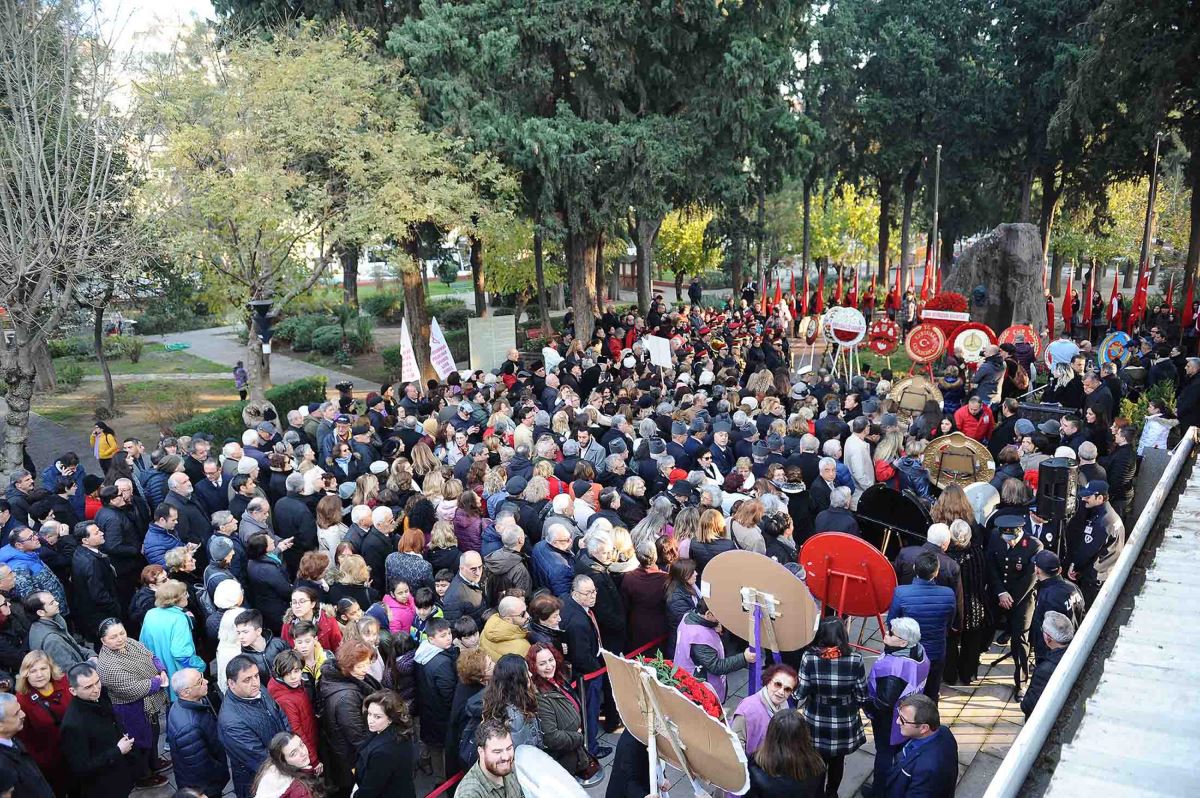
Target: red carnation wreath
{"type": "Point", "coordinates": [696, 691]}
{"type": "Point", "coordinates": [947, 300]}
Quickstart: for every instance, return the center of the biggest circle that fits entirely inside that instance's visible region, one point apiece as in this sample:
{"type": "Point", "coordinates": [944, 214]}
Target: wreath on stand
{"type": "Point", "coordinates": [696, 691]}
{"type": "Point", "coordinates": [947, 300]}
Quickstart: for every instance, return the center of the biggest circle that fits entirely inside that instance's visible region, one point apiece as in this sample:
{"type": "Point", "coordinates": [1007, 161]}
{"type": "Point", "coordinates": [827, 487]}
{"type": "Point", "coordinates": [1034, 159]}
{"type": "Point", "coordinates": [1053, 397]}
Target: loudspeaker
{"type": "Point", "coordinates": [1057, 484]}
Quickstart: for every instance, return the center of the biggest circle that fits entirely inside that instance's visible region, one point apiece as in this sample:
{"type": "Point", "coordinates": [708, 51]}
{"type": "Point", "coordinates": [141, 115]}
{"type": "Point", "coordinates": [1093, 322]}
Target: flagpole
{"type": "Point", "coordinates": [936, 256]}
{"type": "Point", "coordinates": [1144, 261]}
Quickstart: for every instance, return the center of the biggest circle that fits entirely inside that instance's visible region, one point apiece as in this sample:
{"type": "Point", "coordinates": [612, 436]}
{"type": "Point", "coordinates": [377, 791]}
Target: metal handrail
{"type": "Point", "coordinates": [1011, 775]}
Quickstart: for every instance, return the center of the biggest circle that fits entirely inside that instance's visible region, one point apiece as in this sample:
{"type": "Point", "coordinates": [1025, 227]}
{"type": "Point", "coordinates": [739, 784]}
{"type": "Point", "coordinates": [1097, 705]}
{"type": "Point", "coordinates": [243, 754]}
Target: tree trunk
{"type": "Point", "coordinates": [539, 271]}
{"type": "Point", "coordinates": [481, 307]}
{"type": "Point", "coordinates": [601, 284]}
{"type": "Point", "coordinates": [522, 299]}
{"type": "Point", "coordinates": [885, 226]}
{"type": "Point", "coordinates": [110, 400]}
{"type": "Point", "coordinates": [1056, 264]}
{"type": "Point", "coordinates": [948, 235]}
{"type": "Point", "coordinates": [19, 377]}
{"type": "Point", "coordinates": [258, 368]}
{"type": "Point", "coordinates": [43, 364]}
{"type": "Point", "coordinates": [1025, 214]}
{"type": "Point", "coordinates": [678, 286]}
{"type": "Point", "coordinates": [349, 258]}
{"type": "Point", "coordinates": [581, 271]}
{"type": "Point", "coordinates": [806, 246]}
{"type": "Point", "coordinates": [910, 193]}
{"type": "Point", "coordinates": [644, 232]}
{"type": "Point", "coordinates": [415, 312]}
{"type": "Point", "coordinates": [1051, 194]}
{"type": "Point", "coordinates": [1192, 261]}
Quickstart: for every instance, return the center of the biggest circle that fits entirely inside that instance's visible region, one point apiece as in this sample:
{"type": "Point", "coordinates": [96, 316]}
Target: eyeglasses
{"type": "Point", "coordinates": [586, 593]}
{"type": "Point", "coordinates": [903, 722]}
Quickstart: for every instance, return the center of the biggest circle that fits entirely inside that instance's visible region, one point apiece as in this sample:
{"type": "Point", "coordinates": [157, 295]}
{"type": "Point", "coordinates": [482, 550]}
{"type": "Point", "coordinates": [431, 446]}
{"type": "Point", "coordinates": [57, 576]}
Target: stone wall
{"type": "Point", "coordinates": [1004, 268]}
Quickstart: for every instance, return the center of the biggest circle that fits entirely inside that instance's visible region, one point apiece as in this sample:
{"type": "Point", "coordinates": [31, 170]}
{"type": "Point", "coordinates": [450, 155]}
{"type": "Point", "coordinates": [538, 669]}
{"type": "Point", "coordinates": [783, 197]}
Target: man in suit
{"type": "Point", "coordinates": [837, 517]}
{"type": "Point", "coordinates": [211, 491]}
{"type": "Point", "coordinates": [581, 633]}
{"type": "Point", "coordinates": [857, 456]}
{"type": "Point", "coordinates": [928, 762]}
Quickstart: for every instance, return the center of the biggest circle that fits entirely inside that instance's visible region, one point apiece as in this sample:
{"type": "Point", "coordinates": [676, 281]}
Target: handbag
{"type": "Point", "coordinates": [591, 768]}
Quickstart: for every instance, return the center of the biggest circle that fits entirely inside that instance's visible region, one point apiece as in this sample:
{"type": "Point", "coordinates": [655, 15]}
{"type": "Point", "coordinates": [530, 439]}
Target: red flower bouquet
{"type": "Point", "coordinates": [696, 691]}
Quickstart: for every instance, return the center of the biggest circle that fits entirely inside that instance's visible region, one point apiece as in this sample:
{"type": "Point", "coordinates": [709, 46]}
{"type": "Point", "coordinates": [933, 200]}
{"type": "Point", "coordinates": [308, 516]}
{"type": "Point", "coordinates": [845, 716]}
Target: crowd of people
{"type": "Point", "coordinates": [422, 579]}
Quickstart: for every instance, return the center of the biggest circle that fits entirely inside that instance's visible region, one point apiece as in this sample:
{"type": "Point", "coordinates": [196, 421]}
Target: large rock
{"type": "Point", "coordinates": [1004, 270]}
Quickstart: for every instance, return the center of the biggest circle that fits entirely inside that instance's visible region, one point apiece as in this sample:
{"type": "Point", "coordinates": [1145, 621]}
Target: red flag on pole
{"type": "Point", "coordinates": [896, 296]}
{"type": "Point", "coordinates": [793, 282]}
{"type": "Point", "coordinates": [937, 276]}
{"type": "Point", "coordinates": [1170, 300]}
{"type": "Point", "coordinates": [1187, 317]}
{"type": "Point", "coordinates": [804, 296]}
{"type": "Point", "coordinates": [1050, 316]}
{"type": "Point", "coordinates": [778, 291]}
{"type": "Point", "coordinates": [820, 307]}
{"type": "Point", "coordinates": [853, 299]}
{"type": "Point", "coordinates": [1087, 302]}
{"type": "Point", "coordinates": [925, 278]}
{"type": "Point", "coordinates": [1067, 314]}
{"type": "Point", "coordinates": [1114, 300]}
{"type": "Point", "coordinates": [871, 290]}
{"type": "Point", "coordinates": [1140, 297]}
{"type": "Point", "coordinates": [838, 291]}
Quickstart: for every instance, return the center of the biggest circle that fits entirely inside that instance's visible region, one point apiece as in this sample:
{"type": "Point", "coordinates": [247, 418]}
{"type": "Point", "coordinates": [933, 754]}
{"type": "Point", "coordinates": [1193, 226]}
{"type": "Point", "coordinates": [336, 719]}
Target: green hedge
{"type": "Point", "coordinates": [226, 422]}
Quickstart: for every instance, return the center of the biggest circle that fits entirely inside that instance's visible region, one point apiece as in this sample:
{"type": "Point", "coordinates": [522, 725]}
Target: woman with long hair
{"type": "Point", "coordinates": [1159, 422]}
{"type": "Point", "coordinates": [952, 505]}
{"type": "Point", "coordinates": [744, 526]}
{"type": "Point", "coordinates": [366, 491]}
{"type": "Point", "coordinates": [833, 686]}
{"type": "Point", "coordinates": [509, 697]}
{"type": "Point", "coordinates": [104, 444]}
{"type": "Point", "coordinates": [1099, 430]}
{"type": "Point", "coordinates": [787, 765]}
{"type": "Point", "coordinates": [43, 694]}
{"type": "Point", "coordinates": [683, 594]}
{"type": "Point", "coordinates": [330, 529]}
{"type": "Point", "coordinates": [385, 760]}
{"type": "Point", "coordinates": [559, 714]}
{"type": "Point", "coordinates": [712, 539]}
{"type": "Point", "coordinates": [657, 521]}
{"type": "Point", "coordinates": [287, 771]}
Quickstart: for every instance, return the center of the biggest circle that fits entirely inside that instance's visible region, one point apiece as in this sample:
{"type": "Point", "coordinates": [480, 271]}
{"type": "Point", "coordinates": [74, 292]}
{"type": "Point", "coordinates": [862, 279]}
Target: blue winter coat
{"type": "Point", "coordinates": [167, 632]}
{"type": "Point", "coordinates": [157, 543]}
{"type": "Point", "coordinates": [245, 727]}
{"type": "Point", "coordinates": [156, 488]}
{"type": "Point", "coordinates": [552, 568]}
{"type": "Point", "coordinates": [928, 768]}
{"type": "Point", "coordinates": [50, 478]}
{"type": "Point", "coordinates": [933, 608]}
{"type": "Point", "coordinates": [197, 754]}
{"type": "Point", "coordinates": [915, 477]}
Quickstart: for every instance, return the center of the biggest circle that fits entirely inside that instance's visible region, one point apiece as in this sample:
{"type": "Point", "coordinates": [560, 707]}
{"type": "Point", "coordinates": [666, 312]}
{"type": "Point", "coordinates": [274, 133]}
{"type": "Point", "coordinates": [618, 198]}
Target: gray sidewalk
{"type": "Point", "coordinates": [224, 345]}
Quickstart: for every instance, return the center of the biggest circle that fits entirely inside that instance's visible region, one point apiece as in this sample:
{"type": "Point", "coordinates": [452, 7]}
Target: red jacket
{"type": "Point", "coordinates": [978, 428]}
{"type": "Point", "coordinates": [329, 634]}
{"type": "Point", "coordinates": [42, 719]}
{"type": "Point", "coordinates": [298, 707]}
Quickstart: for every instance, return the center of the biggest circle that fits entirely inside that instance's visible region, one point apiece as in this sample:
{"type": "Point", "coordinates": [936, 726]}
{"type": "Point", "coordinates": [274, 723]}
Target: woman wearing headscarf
{"type": "Point", "coordinates": [136, 681]}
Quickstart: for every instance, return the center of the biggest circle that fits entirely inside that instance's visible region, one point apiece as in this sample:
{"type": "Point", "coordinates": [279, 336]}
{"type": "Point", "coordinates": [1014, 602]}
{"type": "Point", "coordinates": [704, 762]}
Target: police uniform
{"type": "Point", "coordinates": [1054, 593]}
{"type": "Point", "coordinates": [1047, 533]}
{"type": "Point", "coordinates": [1096, 541]}
{"type": "Point", "coordinates": [1011, 568]}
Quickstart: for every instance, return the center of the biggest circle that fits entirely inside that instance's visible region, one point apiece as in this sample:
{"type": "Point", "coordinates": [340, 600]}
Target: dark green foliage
{"type": "Point", "coordinates": [327, 339]}
{"type": "Point", "coordinates": [450, 313]}
{"type": "Point", "coordinates": [298, 330]}
{"type": "Point", "coordinates": [225, 423]}
{"type": "Point", "coordinates": [384, 305]}
{"type": "Point", "coordinates": [393, 361]}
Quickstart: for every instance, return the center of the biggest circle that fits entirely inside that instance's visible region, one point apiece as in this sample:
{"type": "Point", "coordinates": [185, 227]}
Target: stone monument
{"type": "Point", "coordinates": [1001, 277]}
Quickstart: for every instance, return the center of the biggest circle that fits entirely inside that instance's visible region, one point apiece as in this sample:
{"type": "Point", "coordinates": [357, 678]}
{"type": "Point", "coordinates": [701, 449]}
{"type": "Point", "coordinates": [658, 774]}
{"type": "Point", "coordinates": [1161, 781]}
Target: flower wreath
{"type": "Point", "coordinates": [947, 300]}
{"type": "Point", "coordinates": [696, 691]}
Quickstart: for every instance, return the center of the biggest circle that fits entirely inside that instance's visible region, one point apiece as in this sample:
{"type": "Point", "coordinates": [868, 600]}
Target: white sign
{"type": "Point", "coordinates": [409, 370]}
{"type": "Point", "coordinates": [439, 351]}
{"type": "Point", "coordinates": [659, 350]}
{"type": "Point", "coordinates": [490, 339]}
{"type": "Point", "coordinates": [944, 315]}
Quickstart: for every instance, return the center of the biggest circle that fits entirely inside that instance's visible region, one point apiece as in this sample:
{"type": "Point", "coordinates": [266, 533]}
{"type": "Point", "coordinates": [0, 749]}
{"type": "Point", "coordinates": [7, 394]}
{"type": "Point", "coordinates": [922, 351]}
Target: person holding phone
{"type": "Point", "coordinates": [98, 750]}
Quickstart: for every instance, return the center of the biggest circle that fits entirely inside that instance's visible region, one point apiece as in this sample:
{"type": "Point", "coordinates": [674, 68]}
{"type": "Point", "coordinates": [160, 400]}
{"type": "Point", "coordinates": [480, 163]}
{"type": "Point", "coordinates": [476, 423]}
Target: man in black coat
{"type": "Point", "coordinates": [1008, 559]}
{"type": "Point", "coordinates": [1052, 593]}
{"type": "Point", "coordinates": [837, 517]}
{"type": "Point", "coordinates": [122, 542]}
{"type": "Point", "coordinates": [610, 606]}
{"type": "Point", "coordinates": [98, 753]}
{"type": "Point", "coordinates": [465, 594]}
{"type": "Point", "coordinates": [94, 594]}
{"type": "Point", "coordinates": [1121, 469]}
{"type": "Point", "coordinates": [820, 490]}
{"type": "Point", "coordinates": [294, 520]}
{"type": "Point", "coordinates": [581, 633]}
{"type": "Point", "coordinates": [14, 759]}
{"type": "Point", "coordinates": [948, 573]}
{"type": "Point", "coordinates": [195, 526]}
{"type": "Point", "coordinates": [1097, 396]}
{"type": "Point", "coordinates": [1005, 431]}
{"type": "Point", "coordinates": [1095, 538]}
{"type": "Point", "coordinates": [377, 545]}
{"type": "Point", "coordinates": [1187, 403]}
{"type": "Point", "coordinates": [212, 492]}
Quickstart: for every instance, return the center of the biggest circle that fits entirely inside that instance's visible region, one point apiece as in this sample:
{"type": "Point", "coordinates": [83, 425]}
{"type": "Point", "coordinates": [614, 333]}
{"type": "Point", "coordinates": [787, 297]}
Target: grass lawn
{"type": "Point", "coordinates": [143, 407]}
{"type": "Point", "coordinates": [155, 359]}
{"type": "Point", "coordinates": [333, 293]}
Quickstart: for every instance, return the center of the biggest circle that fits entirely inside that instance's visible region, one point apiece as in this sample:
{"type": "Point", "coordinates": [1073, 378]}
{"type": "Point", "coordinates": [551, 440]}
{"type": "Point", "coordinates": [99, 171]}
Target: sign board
{"type": "Point", "coordinates": [659, 350]}
{"type": "Point", "coordinates": [490, 339]}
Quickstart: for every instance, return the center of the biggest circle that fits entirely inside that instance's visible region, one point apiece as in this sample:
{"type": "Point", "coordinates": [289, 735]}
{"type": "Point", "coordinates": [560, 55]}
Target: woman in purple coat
{"type": "Point", "coordinates": [755, 711]}
{"type": "Point", "coordinates": [900, 672]}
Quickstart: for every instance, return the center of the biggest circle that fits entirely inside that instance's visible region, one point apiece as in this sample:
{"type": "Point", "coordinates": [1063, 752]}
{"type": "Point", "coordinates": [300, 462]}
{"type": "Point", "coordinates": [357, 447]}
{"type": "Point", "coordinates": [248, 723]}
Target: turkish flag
{"type": "Point", "coordinates": [793, 282]}
{"type": "Point", "coordinates": [1087, 301]}
{"type": "Point", "coordinates": [838, 292]}
{"type": "Point", "coordinates": [853, 300]}
{"type": "Point", "coordinates": [1067, 315]}
{"type": "Point", "coordinates": [804, 296]}
{"type": "Point", "coordinates": [820, 306]}
{"type": "Point", "coordinates": [1188, 319]}
{"type": "Point", "coordinates": [1114, 300]}
{"type": "Point", "coordinates": [1170, 300]}
{"type": "Point", "coordinates": [778, 291]}
{"type": "Point", "coordinates": [896, 296]}
{"type": "Point", "coordinates": [1050, 316]}
{"type": "Point", "coordinates": [925, 278]}
{"type": "Point", "coordinates": [1140, 297]}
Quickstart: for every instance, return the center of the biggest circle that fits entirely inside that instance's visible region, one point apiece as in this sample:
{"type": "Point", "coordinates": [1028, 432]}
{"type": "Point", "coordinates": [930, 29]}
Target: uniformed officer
{"type": "Point", "coordinates": [1009, 558]}
{"type": "Point", "coordinates": [1052, 593]}
{"type": "Point", "coordinates": [1095, 541]}
{"type": "Point", "coordinates": [1045, 530]}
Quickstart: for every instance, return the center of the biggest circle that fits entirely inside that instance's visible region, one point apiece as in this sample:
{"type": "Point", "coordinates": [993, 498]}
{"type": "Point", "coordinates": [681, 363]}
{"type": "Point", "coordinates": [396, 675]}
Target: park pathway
{"type": "Point", "coordinates": [47, 440]}
{"type": "Point", "coordinates": [224, 345]}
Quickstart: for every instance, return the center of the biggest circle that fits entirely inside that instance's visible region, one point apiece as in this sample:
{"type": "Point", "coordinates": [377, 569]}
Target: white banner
{"type": "Point", "coordinates": [945, 315]}
{"type": "Point", "coordinates": [490, 339]}
{"type": "Point", "coordinates": [659, 350]}
{"type": "Point", "coordinates": [439, 351]}
{"type": "Point", "coordinates": [409, 370]}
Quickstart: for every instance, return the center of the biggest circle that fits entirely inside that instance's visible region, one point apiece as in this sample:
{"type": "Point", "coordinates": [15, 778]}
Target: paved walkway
{"type": "Point", "coordinates": [225, 345]}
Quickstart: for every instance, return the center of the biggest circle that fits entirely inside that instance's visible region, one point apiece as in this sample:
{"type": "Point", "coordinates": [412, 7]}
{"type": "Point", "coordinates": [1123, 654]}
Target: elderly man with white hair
{"type": "Point", "coordinates": [594, 561]}
{"type": "Point", "coordinates": [837, 518]}
{"type": "Point", "coordinates": [1057, 632]}
{"type": "Point", "coordinates": [562, 511]}
{"type": "Point", "coordinates": [377, 545]}
{"type": "Point", "coordinates": [901, 671]}
{"type": "Point", "coordinates": [505, 567]}
{"type": "Point", "coordinates": [937, 540]}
